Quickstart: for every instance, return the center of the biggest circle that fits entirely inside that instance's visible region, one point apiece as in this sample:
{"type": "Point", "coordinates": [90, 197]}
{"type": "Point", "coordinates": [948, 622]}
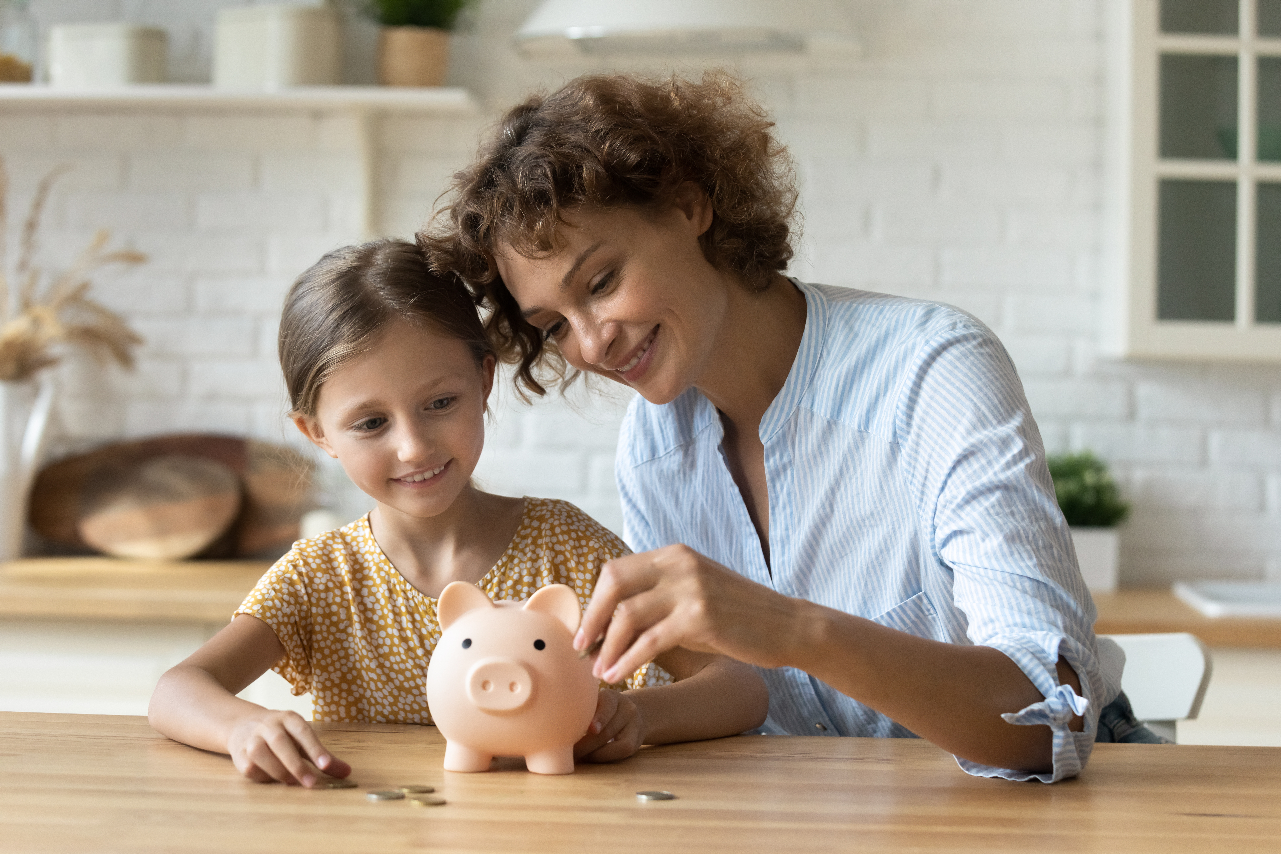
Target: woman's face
{"type": "Point", "coordinates": [627, 295]}
{"type": "Point", "coordinates": [406, 419]}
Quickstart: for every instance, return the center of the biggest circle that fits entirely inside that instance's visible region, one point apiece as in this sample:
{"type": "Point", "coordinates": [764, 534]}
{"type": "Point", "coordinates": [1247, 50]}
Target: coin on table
{"type": "Point", "coordinates": [386, 795]}
{"type": "Point", "coordinates": [655, 796]}
{"type": "Point", "coordinates": [417, 790]}
{"type": "Point", "coordinates": [425, 800]}
{"type": "Point", "coordinates": [335, 783]}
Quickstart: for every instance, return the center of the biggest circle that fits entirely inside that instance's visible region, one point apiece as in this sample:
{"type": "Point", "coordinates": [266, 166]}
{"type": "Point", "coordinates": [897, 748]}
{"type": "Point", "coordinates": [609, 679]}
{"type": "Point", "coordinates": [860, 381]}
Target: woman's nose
{"type": "Point", "coordinates": [594, 339]}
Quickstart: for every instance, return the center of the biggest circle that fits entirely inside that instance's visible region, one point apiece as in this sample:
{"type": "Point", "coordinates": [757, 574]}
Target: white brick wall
{"type": "Point", "coordinates": [958, 157]}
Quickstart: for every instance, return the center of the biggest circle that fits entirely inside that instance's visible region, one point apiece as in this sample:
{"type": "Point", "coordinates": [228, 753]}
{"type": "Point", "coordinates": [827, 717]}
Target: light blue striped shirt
{"type": "Point", "coordinates": [907, 484]}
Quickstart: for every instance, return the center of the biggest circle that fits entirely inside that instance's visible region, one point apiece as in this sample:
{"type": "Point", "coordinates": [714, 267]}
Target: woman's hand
{"type": "Point", "coordinates": [281, 746]}
{"type": "Point", "coordinates": [645, 604]}
{"type": "Point", "coordinates": [616, 730]}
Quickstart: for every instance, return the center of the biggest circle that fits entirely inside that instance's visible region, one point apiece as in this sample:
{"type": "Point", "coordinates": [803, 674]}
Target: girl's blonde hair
{"type": "Point", "coordinates": [337, 309]}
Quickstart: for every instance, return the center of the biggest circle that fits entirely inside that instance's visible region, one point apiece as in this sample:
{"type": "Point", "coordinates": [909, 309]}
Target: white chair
{"type": "Point", "coordinates": [1165, 677]}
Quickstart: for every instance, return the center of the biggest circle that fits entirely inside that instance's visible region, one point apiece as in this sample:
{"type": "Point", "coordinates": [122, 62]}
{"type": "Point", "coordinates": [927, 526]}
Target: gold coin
{"type": "Point", "coordinates": [386, 795]}
{"type": "Point", "coordinates": [335, 783]}
{"type": "Point", "coordinates": [417, 790]}
{"type": "Point", "coordinates": [424, 800]}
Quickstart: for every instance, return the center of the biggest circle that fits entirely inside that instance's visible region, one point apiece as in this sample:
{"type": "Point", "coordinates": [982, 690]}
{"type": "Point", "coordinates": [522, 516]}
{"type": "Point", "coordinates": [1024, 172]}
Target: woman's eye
{"type": "Point", "coordinates": [602, 283]}
{"type": "Point", "coordinates": [554, 330]}
{"type": "Point", "coordinates": [441, 403]}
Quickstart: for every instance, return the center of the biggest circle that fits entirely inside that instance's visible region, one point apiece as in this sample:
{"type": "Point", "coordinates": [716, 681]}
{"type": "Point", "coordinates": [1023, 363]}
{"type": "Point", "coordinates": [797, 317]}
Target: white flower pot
{"type": "Point", "coordinates": [1097, 552]}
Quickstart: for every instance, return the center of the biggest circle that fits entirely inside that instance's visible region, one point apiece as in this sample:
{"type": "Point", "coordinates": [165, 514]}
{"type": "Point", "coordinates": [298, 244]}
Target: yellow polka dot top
{"type": "Point", "coordinates": [358, 636]}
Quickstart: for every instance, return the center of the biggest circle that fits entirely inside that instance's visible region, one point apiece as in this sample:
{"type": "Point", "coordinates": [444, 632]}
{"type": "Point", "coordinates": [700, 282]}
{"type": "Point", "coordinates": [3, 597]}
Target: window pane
{"type": "Point", "coordinates": [1270, 18]}
{"type": "Point", "coordinates": [1196, 254]}
{"type": "Point", "coordinates": [1267, 291]}
{"type": "Point", "coordinates": [1199, 16]}
{"type": "Point", "coordinates": [1199, 106]}
{"type": "Point", "coordinates": [1270, 109]}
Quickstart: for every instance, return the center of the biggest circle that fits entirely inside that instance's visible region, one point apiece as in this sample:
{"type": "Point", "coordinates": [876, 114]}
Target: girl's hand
{"type": "Point", "coordinates": [645, 604]}
{"type": "Point", "coordinates": [616, 730]}
{"type": "Point", "coordinates": [281, 746]}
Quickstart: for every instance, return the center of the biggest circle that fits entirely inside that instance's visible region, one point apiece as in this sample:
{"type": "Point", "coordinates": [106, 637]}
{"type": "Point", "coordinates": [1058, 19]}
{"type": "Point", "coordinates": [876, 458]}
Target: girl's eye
{"type": "Point", "coordinates": [554, 330]}
{"type": "Point", "coordinates": [370, 424]}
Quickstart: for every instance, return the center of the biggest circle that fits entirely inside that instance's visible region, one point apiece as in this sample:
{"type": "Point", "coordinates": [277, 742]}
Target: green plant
{"type": "Point", "coordinates": [416, 13]}
{"type": "Point", "coordinates": [1087, 494]}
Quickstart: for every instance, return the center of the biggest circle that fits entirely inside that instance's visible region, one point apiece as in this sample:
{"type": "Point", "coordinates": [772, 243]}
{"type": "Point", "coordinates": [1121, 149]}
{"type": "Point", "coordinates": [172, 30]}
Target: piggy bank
{"type": "Point", "coordinates": [505, 680]}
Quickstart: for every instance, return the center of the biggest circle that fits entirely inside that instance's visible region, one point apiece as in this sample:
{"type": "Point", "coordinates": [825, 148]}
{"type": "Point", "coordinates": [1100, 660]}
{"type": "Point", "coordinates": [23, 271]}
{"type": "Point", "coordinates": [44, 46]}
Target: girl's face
{"type": "Point", "coordinates": [406, 419]}
{"type": "Point", "coordinates": [627, 295]}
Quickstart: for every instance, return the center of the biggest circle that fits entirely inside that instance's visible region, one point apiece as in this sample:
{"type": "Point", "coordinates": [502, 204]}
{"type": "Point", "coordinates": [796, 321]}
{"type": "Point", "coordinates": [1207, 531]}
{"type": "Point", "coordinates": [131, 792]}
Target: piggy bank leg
{"type": "Point", "coordinates": [559, 760]}
{"type": "Point", "coordinates": [460, 757]}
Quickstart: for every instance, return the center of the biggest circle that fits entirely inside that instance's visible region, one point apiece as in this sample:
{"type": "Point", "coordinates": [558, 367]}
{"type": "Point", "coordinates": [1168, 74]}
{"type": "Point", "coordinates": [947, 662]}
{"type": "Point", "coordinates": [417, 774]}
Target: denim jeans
{"type": "Point", "coordinates": [1118, 724]}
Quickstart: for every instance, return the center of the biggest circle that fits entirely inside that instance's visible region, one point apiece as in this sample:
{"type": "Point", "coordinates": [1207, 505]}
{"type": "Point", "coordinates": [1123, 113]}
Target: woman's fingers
{"type": "Point", "coordinates": [619, 579]}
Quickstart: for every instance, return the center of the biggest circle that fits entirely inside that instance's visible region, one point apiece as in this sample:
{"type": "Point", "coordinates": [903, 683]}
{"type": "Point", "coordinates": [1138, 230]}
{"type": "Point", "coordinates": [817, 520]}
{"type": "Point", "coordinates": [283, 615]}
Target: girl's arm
{"type": "Point", "coordinates": [195, 702]}
{"type": "Point", "coordinates": [951, 694]}
{"type": "Point", "coordinates": [712, 697]}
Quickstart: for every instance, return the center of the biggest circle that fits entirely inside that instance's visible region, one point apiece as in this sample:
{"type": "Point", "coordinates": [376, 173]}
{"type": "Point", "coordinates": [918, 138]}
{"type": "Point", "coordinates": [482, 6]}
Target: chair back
{"type": "Point", "coordinates": [1165, 675]}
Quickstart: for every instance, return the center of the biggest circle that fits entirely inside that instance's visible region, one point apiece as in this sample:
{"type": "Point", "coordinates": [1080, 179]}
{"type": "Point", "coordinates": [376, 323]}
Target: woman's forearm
{"type": "Point", "coordinates": [950, 694]}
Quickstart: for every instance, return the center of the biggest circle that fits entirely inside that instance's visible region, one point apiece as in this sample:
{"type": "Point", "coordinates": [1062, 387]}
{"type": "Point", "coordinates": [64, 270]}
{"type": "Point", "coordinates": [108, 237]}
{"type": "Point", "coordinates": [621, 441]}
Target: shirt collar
{"type": "Point", "coordinates": [806, 362]}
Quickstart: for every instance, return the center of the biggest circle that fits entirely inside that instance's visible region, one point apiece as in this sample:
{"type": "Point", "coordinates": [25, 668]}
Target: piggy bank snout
{"type": "Point", "coordinates": [499, 684]}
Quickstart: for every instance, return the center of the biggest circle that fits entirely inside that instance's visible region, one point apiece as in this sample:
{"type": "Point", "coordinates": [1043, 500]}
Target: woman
{"type": "Point", "coordinates": [845, 489]}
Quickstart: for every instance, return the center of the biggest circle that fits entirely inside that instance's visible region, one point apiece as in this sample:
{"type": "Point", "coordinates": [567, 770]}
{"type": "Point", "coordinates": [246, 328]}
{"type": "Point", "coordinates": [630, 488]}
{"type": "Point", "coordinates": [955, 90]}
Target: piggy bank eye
{"type": "Point", "coordinates": [539, 644]}
{"type": "Point", "coordinates": [466, 643]}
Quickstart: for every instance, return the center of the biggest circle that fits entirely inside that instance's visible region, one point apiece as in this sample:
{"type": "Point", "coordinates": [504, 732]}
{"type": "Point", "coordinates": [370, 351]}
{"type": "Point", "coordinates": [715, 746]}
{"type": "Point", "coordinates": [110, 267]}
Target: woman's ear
{"type": "Point", "coordinates": [309, 426]}
{"type": "Point", "coordinates": [691, 201]}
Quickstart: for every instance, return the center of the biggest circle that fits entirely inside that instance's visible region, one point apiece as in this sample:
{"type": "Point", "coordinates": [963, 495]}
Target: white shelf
{"type": "Point", "coordinates": [440, 100]}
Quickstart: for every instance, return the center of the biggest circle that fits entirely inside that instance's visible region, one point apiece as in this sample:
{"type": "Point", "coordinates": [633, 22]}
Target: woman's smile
{"type": "Point", "coordinates": [634, 369]}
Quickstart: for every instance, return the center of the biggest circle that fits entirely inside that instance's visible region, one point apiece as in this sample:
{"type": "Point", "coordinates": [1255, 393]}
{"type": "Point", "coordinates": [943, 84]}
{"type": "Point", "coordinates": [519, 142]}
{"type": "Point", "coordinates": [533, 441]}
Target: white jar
{"type": "Point", "coordinates": [261, 48]}
{"type": "Point", "coordinates": [98, 56]}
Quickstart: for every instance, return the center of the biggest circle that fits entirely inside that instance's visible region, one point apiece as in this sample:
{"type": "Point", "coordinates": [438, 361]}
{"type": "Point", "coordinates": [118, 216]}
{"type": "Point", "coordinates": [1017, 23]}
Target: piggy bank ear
{"type": "Point", "coordinates": [457, 599]}
{"type": "Point", "coordinates": [558, 600]}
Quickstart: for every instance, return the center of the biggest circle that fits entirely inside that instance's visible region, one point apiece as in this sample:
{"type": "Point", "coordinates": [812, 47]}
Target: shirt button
{"type": "Point", "coordinates": [820, 727]}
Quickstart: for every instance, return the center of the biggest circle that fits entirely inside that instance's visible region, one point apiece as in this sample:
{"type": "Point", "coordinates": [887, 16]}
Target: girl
{"type": "Point", "coordinates": [846, 489]}
{"type": "Point", "coordinates": [389, 370]}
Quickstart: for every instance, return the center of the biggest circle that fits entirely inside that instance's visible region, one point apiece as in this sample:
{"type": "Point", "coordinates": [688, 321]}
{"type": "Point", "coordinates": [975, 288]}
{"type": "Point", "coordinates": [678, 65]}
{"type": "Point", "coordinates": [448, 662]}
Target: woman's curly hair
{"type": "Point", "coordinates": [607, 141]}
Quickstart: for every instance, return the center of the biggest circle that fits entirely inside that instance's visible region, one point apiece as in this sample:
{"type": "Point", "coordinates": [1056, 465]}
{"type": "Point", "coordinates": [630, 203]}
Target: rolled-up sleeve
{"type": "Point", "coordinates": [978, 471]}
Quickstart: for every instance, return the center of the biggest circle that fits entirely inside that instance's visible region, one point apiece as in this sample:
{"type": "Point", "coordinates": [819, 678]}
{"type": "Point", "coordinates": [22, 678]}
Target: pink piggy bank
{"type": "Point", "coordinates": [504, 679]}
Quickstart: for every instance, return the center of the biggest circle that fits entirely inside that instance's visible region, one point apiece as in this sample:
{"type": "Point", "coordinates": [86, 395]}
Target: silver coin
{"type": "Point", "coordinates": [426, 801]}
{"type": "Point", "coordinates": [386, 795]}
{"type": "Point", "coordinates": [417, 790]}
{"type": "Point", "coordinates": [655, 796]}
{"type": "Point", "coordinates": [335, 783]}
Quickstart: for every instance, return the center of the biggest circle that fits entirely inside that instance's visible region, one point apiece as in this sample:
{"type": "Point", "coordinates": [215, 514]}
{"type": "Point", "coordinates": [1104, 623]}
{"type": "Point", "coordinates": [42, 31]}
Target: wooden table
{"type": "Point", "coordinates": [80, 783]}
{"type": "Point", "coordinates": [1159, 610]}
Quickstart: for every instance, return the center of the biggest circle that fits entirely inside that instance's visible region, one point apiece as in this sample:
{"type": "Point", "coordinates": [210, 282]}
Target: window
{"type": "Point", "coordinates": [1204, 275]}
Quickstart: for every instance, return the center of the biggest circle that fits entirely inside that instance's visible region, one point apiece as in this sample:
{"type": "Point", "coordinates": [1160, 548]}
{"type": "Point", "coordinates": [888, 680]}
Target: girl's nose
{"type": "Point", "coordinates": [411, 445]}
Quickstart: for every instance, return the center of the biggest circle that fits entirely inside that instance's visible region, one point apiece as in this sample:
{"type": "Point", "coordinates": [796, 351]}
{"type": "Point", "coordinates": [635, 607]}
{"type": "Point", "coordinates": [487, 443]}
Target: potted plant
{"type": "Point", "coordinates": [413, 44]}
{"type": "Point", "coordinates": [1092, 505]}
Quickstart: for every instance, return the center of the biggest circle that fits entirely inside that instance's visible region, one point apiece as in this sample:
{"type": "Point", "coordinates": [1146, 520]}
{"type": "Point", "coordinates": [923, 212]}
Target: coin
{"type": "Point", "coordinates": [655, 796]}
{"type": "Point", "coordinates": [593, 649]}
{"type": "Point", "coordinates": [335, 783]}
{"type": "Point", "coordinates": [386, 795]}
{"type": "Point", "coordinates": [417, 790]}
{"type": "Point", "coordinates": [426, 801]}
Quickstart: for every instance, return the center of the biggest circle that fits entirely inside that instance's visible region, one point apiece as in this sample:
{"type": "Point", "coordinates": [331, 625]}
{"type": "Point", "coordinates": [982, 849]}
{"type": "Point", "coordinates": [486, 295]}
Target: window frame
{"type": "Point", "coordinates": [1142, 334]}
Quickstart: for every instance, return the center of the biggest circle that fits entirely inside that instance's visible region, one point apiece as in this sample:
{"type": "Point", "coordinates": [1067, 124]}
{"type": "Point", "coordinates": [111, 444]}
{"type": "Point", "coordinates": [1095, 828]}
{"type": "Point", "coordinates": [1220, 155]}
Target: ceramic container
{"type": "Point", "coordinates": [100, 56]}
{"type": "Point", "coordinates": [504, 679]}
{"type": "Point", "coordinates": [261, 48]}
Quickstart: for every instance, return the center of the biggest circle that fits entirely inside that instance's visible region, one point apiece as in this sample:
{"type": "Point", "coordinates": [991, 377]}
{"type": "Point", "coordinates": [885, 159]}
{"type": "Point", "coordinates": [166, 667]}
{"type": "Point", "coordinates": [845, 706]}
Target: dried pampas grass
{"type": "Point", "coordinates": [38, 324]}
